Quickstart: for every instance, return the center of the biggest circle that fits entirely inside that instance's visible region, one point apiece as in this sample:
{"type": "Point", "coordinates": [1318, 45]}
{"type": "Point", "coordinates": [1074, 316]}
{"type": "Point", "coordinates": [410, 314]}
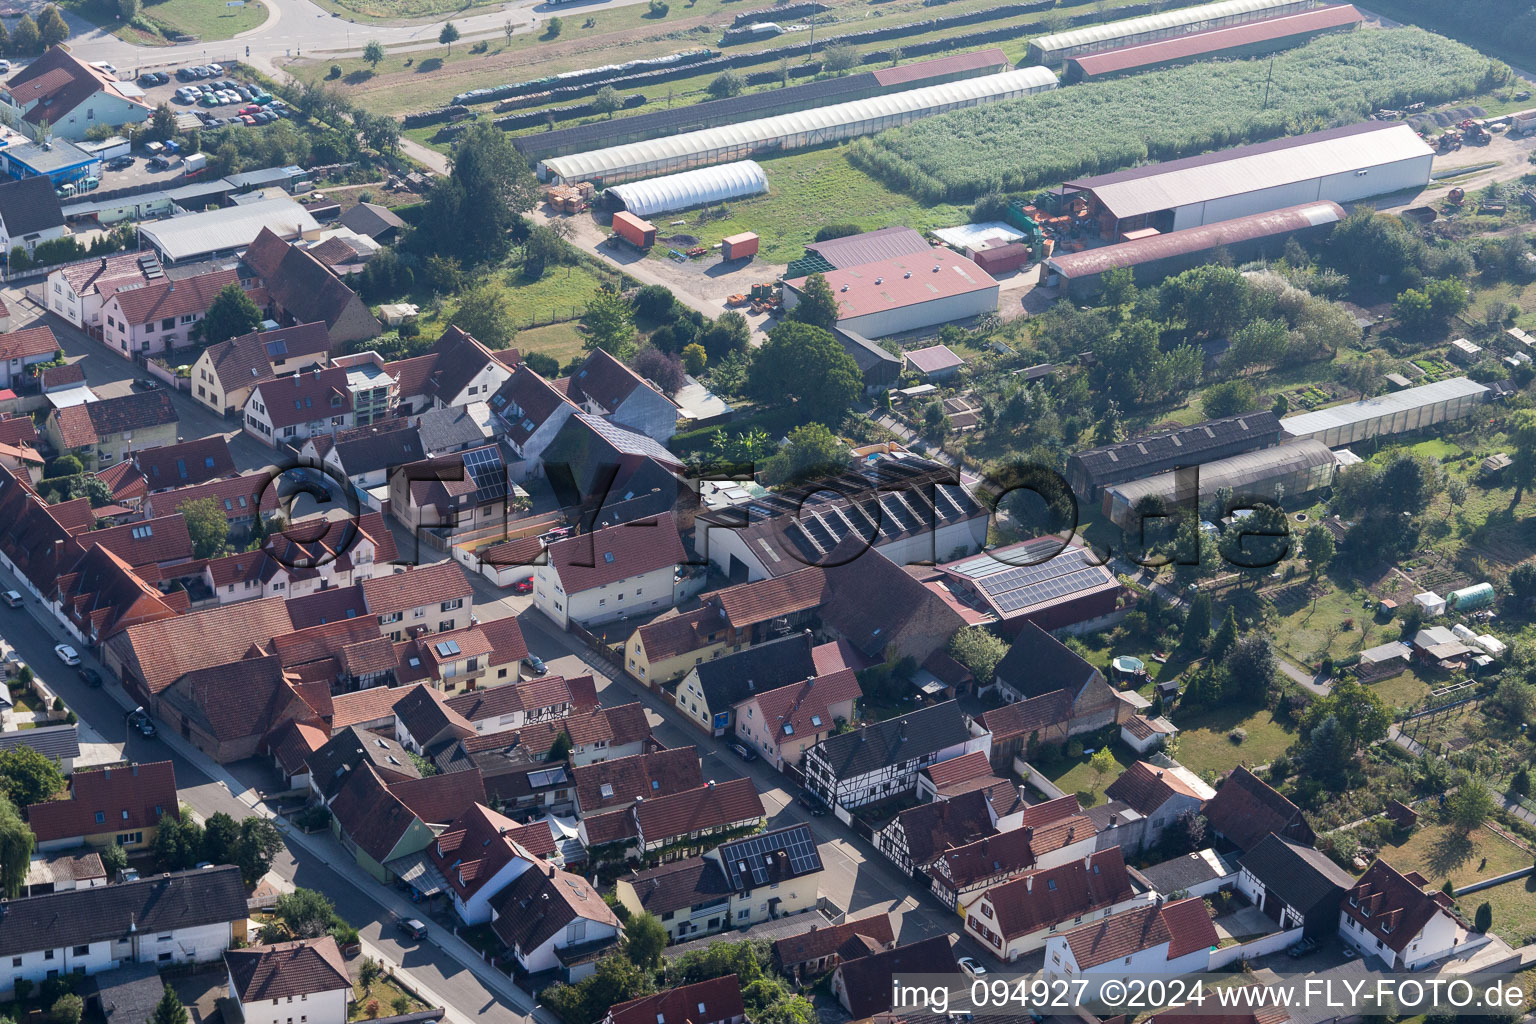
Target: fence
{"type": "Point", "coordinates": [599, 650]}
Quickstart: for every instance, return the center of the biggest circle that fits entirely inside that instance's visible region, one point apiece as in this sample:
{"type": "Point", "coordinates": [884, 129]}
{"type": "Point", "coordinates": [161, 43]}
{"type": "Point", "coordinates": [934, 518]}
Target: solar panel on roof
{"type": "Point", "coordinates": [753, 855]}
{"type": "Point", "coordinates": [488, 472]}
{"type": "Point", "coordinates": [277, 348]}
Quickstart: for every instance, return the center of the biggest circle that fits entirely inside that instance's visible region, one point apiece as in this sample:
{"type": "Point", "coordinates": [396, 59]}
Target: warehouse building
{"type": "Point", "coordinates": [1340, 165]}
{"type": "Point", "coordinates": [703, 187]}
{"type": "Point", "coordinates": [785, 132]}
{"type": "Point", "coordinates": [221, 232]}
{"type": "Point", "coordinates": [1059, 46]}
{"type": "Point", "coordinates": [1397, 413]}
{"type": "Point", "coordinates": [1252, 39]}
{"type": "Point", "coordinates": [1088, 472]}
{"type": "Point", "coordinates": [908, 293]}
{"type": "Point", "coordinates": [1270, 474]}
{"type": "Point", "coordinates": [857, 250]}
{"type": "Point", "coordinates": [1055, 585]}
{"type": "Point", "coordinates": [748, 106]}
{"type": "Point", "coordinates": [1155, 257]}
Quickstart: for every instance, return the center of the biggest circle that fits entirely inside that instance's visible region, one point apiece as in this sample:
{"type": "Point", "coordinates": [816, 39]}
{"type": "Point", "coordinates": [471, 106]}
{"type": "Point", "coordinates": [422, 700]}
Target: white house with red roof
{"type": "Point", "coordinates": [154, 317]}
{"type": "Point", "coordinates": [1163, 939]}
{"type": "Point", "coordinates": [478, 858]}
{"type": "Point", "coordinates": [1020, 915]}
{"type": "Point", "coordinates": [76, 291]}
{"type": "Point", "coordinates": [784, 722]}
{"type": "Point", "coordinates": [22, 349]}
{"type": "Point", "coordinates": [610, 574]}
{"type": "Point", "coordinates": [290, 410]}
{"type": "Point", "coordinates": [1403, 920]}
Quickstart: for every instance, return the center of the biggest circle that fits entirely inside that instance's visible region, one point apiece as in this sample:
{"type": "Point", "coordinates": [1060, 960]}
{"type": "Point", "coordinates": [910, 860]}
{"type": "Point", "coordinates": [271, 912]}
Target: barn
{"type": "Point", "coordinates": [1340, 165]}
{"type": "Point", "coordinates": [1250, 39]}
{"type": "Point", "coordinates": [905, 293]}
{"type": "Point", "coordinates": [1059, 46]}
{"type": "Point", "coordinates": [785, 132]}
{"type": "Point", "coordinates": [1155, 257]}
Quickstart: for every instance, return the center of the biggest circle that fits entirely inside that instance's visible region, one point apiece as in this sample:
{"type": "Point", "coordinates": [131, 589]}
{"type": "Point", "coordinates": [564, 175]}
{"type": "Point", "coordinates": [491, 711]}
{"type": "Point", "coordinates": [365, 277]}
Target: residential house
{"type": "Point", "coordinates": [383, 823]}
{"type": "Point", "coordinates": [348, 750]}
{"type": "Point", "coordinates": [181, 918]}
{"type": "Point", "coordinates": [20, 350]}
{"type": "Point", "coordinates": [290, 410]}
{"type": "Point", "coordinates": [366, 455]}
{"type": "Point", "coordinates": [242, 498]}
{"type": "Point", "coordinates": [736, 885]}
{"type": "Point", "coordinates": [423, 720]}
{"type": "Point", "coordinates": [452, 495]}
{"type": "Point", "coordinates": [101, 595]}
{"type": "Point", "coordinates": [345, 553]}
{"type": "Point", "coordinates": [1197, 873]}
{"type": "Point", "coordinates": [227, 711]}
{"type": "Point", "coordinates": [58, 743]}
{"type": "Point", "coordinates": [1161, 939]}
{"type": "Point", "coordinates": [160, 542]}
{"type": "Point", "coordinates": [265, 981]}
{"type": "Point", "coordinates": [711, 692]}
{"type": "Point", "coordinates": [479, 857]}
{"type": "Point", "coordinates": [499, 707]}
{"type": "Point", "coordinates": [1402, 919]}
{"type": "Point", "coordinates": [186, 463]}
{"type": "Point", "coordinates": [812, 953]}
{"type": "Point", "coordinates": [466, 371]}
{"type": "Point", "coordinates": [29, 213]}
{"type": "Point", "coordinates": [481, 657]}
{"type": "Point", "coordinates": [80, 868]}
{"type": "Point", "coordinates": [456, 428]}
{"type": "Point", "coordinates": [623, 781]}
{"type": "Point", "coordinates": [300, 289]}
{"type": "Point", "coordinates": [1047, 835]}
{"type": "Point", "coordinates": [612, 474]}
{"type": "Point", "coordinates": [717, 1001]}
{"type": "Point", "coordinates": [150, 656]}
{"type": "Point", "coordinates": [108, 807]}
{"type": "Point", "coordinates": [1049, 694]}
{"type": "Point", "coordinates": [665, 648]}
{"type": "Point", "coordinates": [434, 598]}
{"type": "Point", "coordinates": [874, 762]}
{"type": "Point", "coordinates": [919, 835]}
{"type": "Point", "coordinates": [785, 722]}
{"type": "Point", "coordinates": [863, 984]}
{"type": "Point", "coordinates": [1160, 795]}
{"type": "Point", "coordinates": [683, 823]}
{"type": "Point", "coordinates": [70, 96]}
{"type": "Point", "coordinates": [77, 291]}
{"type": "Point", "coordinates": [606, 387]}
{"type": "Point", "coordinates": [600, 735]}
{"type": "Point", "coordinates": [1246, 809]}
{"type": "Point", "coordinates": [609, 574]}
{"type": "Point", "coordinates": [109, 430]}
{"type": "Point", "coordinates": [1294, 884]}
{"type": "Point", "coordinates": [548, 917]}
{"type": "Point", "coordinates": [226, 373]}
{"type": "Point", "coordinates": [159, 317]}
{"type": "Point", "coordinates": [531, 411]}
{"type": "Point", "coordinates": [1016, 917]}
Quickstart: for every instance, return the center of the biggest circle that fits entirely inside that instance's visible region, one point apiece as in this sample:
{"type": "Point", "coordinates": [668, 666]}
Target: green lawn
{"type": "Point", "coordinates": [1404, 690]}
{"type": "Point", "coordinates": [806, 191]}
{"type": "Point", "coordinates": [208, 20]}
{"type": "Point", "coordinates": [388, 993]}
{"type": "Point", "coordinates": [560, 294]}
{"type": "Point", "coordinates": [1311, 620]}
{"type": "Point", "coordinates": [1073, 775]}
{"type": "Point", "coordinates": [1204, 748]}
{"type": "Point", "coordinates": [1439, 852]}
{"type": "Point", "coordinates": [1514, 909]}
{"type": "Point", "coordinates": [563, 342]}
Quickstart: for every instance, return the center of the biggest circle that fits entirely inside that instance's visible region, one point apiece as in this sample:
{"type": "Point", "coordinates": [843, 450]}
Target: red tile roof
{"type": "Point", "coordinates": [246, 699]}
{"type": "Point", "coordinates": [439, 799]}
{"type": "Point", "coordinates": [302, 968]}
{"type": "Point", "coordinates": [675, 634]}
{"type": "Point", "coordinates": [711, 805]}
{"type": "Point", "coordinates": [805, 709]}
{"type": "Point", "coordinates": [606, 381]}
{"type": "Point", "coordinates": [1246, 808]}
{"type": "Point", "coordinates": [902, 281]}
{"type": "Point", "coordinates": [302, 397]}
{"type": "Point", "coordinates": [237, 496]}
{"type": "Point", "coordinates": [293, 743]}
{"type": "Point", "coordinates": [616, 553]}
{"type": "Point", "coordinates": [28, 343]}
{"type": "Point", "coordinates": [706, 1002]}
{"type": "Point", "coordinates": [108, 800]}
{"type": "Point", "coordinates": [1391, 906]}
{"type": "Point", "coordinates": [81, 426]}
{"type": "Point", "coordinates": [760, 601]}
{"type": "Point", "coordinates": [475, 847]}
{"type": "Point", "coordinates": [540, 904]}
{"type": "Point", "coordinates": [364, 706]}
{"type": "Point", "coordinates": [422, 585]}
{"type": "Point", "coordinates": [147, 542]}
{"type": "Point", "coordinates": [621, 781]}
{"type": "Point", "coordinates": [958, 769]}
{"type": "Point", "coordinates": [190, 296]}
{"type": "Point", "coordinates": [1185, 925]}
{"type": "Point", "coordinates": [822, 941]}
{"type": "Point", "coordinates": [867, 980]}
{"type": "Point", "coordinates": [186, 464]}
{"type": "Point", "coordinates": [1041, 898]}
{"type": "Point", "coordinates": [162, 652]}
{"type": "Point", "coordinates": [1147, 787]}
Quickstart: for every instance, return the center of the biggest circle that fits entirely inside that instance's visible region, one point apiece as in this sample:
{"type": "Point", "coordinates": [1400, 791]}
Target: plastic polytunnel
{"type": "Point", "coordinates": [1050, 49]}
{"type": "Point", "coordinates": [692, 188]}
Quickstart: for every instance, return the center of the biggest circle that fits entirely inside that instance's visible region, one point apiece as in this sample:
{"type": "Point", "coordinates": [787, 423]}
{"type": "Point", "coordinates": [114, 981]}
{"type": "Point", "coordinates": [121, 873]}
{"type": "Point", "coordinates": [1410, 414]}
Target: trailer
{"type": "Point", "coordinates": [639, 233]}
{"type": "Point", "coordinates": [737, 247]}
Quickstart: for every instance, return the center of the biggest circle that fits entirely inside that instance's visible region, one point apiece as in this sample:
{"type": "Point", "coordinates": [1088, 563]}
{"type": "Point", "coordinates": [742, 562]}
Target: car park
{"type": "Point", "coordinates": [67, 654]}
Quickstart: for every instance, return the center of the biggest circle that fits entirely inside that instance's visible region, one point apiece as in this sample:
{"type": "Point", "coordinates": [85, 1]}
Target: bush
{"type": "Point", "coordinates": [1237, 736]}
{"type": "Point", "coordinates": [831, 231]}
{"type": "Point", "coordinates": [68, 1009]}
{"type": "Point", "coordinates": [335, 71]}
{"type": "Point", "coordinates": [1075, 748]}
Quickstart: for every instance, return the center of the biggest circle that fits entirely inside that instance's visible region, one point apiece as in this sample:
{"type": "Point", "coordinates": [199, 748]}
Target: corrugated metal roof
{"type": "Point", "coordinates": [954, 64]}
{"type": "Point", "coordinates": [1167, 21]}
{"type": "Point", "coordinates": [1236, 472]}
{"type": "Point", "coordinates": [904, 281]}
{"type": "Point", "coordinates": [1253, 168]}
{"type": "Point", "coordinates": [1216, 40]}
{"type": "Point", "coordinates": [1192, 240]}
{"type": "Point", "coordinates": [614, 159]}
{"type": "Point", "coordinates": [1308, 423]}
{"type": "Point", "coordinates": [693, 188]}
{"type": "Point", "coordinates": [230, 228]}
{"type": "Point", "coordinates": [870, 246]}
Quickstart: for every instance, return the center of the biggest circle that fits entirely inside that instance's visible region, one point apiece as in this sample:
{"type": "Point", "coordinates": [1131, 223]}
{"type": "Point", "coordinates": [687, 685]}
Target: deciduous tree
{"type": "Point", "coordinates": [51, 27]}
{"type": "Point", "coordinates": [304, 912]}
{"type": "Point", "coordinates": [231, 314]}
{"type": "Point", "coordinates": [610, 322]}
{"type": "Point", "coordinates": [207, 526]}
{"type": "Point", "coordinates": [373, 53]}
{"type": "Point", "coordinates": [805, 363]}
{"type": "Point", "coordinates": [485, 311]}
{"type": "Point", "coordinates": [817, 305]}
{"type": "Point", "coordinates": [28, 777]}
{"type": "Point", "coordinates": [16, 842]}
{"type": "Point", "coordinates": [644, 939]}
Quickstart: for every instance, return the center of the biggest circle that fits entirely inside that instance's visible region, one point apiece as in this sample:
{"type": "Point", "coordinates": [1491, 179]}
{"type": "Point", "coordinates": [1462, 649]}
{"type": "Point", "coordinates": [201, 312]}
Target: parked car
{"type": "Point", "coordinates": [811, 803]}
{"type": "Point", "coordinates": [535, 664]}
{"type": "Point", "coordinates": [248, 120]}
{"type": "Point", "coordinates": [67, 654]}
{"type": "Point", "coordinates": [971, 967]}
{"type": "Point", "coordinates": [217, 69]}
{"type": "Point", "coordinates": [90, 677]}
{"type": "Point", "coordinates": [1302, 948]}
{"type": "Point", "coordinates": [146, 384]}
{"type": "Point", "coordinates": [185, 74]}
{"type": "Point", "coordinates": [743, 751]}
{"type": "Point", "coordinates": [139, 719]}
{"type": "Point", "coordinates": [159, 163]}
{"type": "Point", "coordinates": [13, 599]}
{"type": "Point", "coordinates": [523, 586]}
{"type": "Point", "coordinates": [5, 66]}
{"type": "Point", "coordinates": [161, 78]}
{"type": "Point", "coordinates": [413, 927]}
{"type": "Point", "coordinates": [120, 163]}
{"type": "Point", "coordinates": [87, 184]}
{"type": "Point", "coordinates": [148, 79]}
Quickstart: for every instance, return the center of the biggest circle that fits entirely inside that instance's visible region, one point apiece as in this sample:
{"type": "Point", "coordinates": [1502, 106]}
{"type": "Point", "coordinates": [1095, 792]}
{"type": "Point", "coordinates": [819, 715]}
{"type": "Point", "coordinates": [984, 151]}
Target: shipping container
{"type": "Point", "coordinates": [1003, 258]}
{"type": "Point", "coordinates": [736, 247]}
{"type": "Point", "coordinates": [637, 232]}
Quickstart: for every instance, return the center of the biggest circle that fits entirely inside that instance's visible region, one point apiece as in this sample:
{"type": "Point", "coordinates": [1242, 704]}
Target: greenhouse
{"type": "Point", "coordinates": [692, 188]}
{"type": "Point", "coordinates": [789, 131]}
{"type": "Point", "coordinates": [1053, 49]}
{"type": "Point", "coordinates": [1287, 470]}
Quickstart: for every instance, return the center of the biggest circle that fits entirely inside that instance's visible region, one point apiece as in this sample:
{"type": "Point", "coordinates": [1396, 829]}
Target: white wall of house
{"type": "Point", "coordinates": [1439, 937]}
{"type": "Point", "coordinates": [32, 239]}
{"type": "Point", "coordinates": [578, 932]}
{"type": "Point", "coordinates": [481, 386]}
{"type": "Point", "coordinates": [477, 909]}
{"type": "Point", "coordinates": [37, 965]}
{"type": "Point", "coordinates": [981, 923]}
{"type": "Point", "coordinates": [1059, 963]}
{"type": "Point", "coordinates": [313, 1008]}
{"type": "Point", "coordinates": [635, 595]}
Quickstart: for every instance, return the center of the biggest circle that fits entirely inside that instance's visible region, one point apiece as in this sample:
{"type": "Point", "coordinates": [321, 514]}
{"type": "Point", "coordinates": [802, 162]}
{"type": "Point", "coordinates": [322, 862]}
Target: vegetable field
{"type": "Point", "coordinates": [1161, 115]}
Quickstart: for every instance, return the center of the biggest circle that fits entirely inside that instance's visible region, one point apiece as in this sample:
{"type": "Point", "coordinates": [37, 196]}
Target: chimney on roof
{"type": "Point", "coordinates": [1114, 819]}
{"type": "Point", "coordinates": [1029, 883]}
{"type": "Point", "coordinates": [551, 871]}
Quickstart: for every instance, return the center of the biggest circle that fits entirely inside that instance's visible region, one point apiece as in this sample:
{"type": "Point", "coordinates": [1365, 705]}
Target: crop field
{"type": "Point", "coordinates": [1102, 126]}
